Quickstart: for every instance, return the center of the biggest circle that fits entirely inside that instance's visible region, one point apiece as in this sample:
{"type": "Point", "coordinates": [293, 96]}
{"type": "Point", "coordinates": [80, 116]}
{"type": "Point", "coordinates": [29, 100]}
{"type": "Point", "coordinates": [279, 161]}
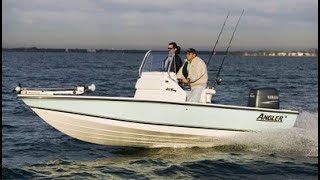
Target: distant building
{"type": "Point", "coordinates": [300, 53]}
{"type": "Point", "coordinates": [272, 54]}
{"type": "Point", "coordinates": [91, 50]}
{"type": "Point", "coordinates": [281, 53]}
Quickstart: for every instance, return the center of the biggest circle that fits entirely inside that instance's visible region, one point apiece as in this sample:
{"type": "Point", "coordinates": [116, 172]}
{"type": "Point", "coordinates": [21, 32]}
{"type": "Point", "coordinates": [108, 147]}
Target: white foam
{"type": "Point", "coordinates": [302, 140]}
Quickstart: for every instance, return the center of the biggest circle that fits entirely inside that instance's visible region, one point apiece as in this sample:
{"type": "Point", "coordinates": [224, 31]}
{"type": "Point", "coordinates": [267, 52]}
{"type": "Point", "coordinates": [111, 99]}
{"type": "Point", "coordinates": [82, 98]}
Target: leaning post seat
{"type": "Point", "coordinates": [206, 95]}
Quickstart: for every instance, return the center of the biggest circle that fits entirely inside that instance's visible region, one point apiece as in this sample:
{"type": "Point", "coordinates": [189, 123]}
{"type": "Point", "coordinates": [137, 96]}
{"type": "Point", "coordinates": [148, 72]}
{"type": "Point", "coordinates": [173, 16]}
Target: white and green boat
{"type": "Point", "coordinates": [158, 114]}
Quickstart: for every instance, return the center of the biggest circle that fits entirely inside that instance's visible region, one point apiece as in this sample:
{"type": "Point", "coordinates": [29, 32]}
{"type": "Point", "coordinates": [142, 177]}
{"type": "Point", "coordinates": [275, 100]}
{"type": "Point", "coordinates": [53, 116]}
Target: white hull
{"type": "Point", "coordinates": [157, 116]}
{"type": "Point", "coordinates": [119, 133]}
{"type": "Point", "coordinates": [143, 123]}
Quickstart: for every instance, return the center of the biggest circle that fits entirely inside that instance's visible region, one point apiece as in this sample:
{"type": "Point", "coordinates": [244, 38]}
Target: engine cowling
{"type": "Point", "coordinates": [264, 98]}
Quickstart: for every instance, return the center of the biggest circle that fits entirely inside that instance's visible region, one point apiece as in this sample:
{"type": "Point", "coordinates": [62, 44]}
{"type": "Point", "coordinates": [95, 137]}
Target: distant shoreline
{"type": "Point", "coordinates": [311, 52]}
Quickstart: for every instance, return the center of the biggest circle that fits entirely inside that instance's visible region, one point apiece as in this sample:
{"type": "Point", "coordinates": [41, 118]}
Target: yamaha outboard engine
{"type": "Point", "coordinates": [264, 98]}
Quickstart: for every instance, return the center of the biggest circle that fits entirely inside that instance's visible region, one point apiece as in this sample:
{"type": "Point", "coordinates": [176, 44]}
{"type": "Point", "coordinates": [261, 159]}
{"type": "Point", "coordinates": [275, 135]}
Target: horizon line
{"type": "Point", "coordinates": [141, 49]}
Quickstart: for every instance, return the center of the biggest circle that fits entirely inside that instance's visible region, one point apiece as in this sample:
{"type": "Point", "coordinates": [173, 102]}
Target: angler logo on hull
{"type": "Point", "coordinates": [270, 118]}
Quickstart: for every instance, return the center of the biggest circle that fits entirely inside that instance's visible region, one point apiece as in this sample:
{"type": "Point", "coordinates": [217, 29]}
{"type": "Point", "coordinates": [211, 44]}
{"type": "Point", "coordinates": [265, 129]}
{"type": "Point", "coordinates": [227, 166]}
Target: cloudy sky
{"type": "Point", "coordinates": [148, 24]}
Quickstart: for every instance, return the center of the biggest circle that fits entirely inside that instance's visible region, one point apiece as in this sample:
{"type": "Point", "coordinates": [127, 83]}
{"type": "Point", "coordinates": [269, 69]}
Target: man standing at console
{"type": "Point", "coordinates": [193, 72]}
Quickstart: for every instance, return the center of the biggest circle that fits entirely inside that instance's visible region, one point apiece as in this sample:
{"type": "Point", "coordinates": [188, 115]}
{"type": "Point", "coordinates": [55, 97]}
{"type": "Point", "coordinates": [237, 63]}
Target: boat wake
{"type": "Point", "coordinates": [302, 140]}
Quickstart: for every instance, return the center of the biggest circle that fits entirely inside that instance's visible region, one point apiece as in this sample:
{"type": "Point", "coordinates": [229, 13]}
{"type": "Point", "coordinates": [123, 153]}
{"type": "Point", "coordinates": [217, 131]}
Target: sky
{"type": "Point", "coordinates": [149, 24]}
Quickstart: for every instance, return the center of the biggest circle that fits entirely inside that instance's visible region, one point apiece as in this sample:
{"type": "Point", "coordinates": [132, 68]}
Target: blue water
{"type": "Point", "coordinates": [31, 149]}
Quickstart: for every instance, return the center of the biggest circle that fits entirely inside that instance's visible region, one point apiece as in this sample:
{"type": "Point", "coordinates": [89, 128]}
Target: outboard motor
{"type": "Point", "coordinates": [264, 98]}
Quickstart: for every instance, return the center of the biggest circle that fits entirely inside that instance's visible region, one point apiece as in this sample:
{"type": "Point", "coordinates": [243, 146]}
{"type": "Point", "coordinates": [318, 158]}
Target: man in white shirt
{"type": "Point", "coordinates": [193, 72]}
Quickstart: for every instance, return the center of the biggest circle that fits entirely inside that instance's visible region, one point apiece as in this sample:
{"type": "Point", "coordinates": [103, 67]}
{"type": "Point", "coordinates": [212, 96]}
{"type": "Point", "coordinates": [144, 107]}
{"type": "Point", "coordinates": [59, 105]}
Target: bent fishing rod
{"type": "Point", "coordinates": [217, 80]}
{"type": "Point", "coordinates": [213, 50]}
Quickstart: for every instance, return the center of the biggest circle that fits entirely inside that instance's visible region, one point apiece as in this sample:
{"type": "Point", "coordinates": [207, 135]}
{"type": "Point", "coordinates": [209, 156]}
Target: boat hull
{"type": "Point", "coordinates": [143, 123]}
{"type": "Point", "coordinates": [120, 133]}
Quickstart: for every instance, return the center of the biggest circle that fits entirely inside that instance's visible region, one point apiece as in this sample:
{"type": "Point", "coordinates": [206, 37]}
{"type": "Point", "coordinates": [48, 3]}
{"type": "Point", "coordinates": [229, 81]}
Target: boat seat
{"type": "Point", "coordinates": [206, 95]}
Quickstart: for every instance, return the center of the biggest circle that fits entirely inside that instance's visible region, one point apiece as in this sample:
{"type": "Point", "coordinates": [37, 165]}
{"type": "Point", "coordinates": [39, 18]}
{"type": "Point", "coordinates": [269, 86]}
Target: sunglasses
{"type": "Point", "coordinates": [170, 48]}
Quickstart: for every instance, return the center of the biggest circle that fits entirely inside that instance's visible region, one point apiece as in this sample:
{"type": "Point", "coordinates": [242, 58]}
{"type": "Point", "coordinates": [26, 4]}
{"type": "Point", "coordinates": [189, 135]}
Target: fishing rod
{"type": "Point", "coordinates": [213, 52]}
{"type": "Point", "coordinates": [218, 81]}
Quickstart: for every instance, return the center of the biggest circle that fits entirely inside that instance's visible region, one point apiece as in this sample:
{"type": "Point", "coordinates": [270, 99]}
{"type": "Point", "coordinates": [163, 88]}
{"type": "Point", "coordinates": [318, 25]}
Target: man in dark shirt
{"type": "Point", "coordinates": [174, 51]}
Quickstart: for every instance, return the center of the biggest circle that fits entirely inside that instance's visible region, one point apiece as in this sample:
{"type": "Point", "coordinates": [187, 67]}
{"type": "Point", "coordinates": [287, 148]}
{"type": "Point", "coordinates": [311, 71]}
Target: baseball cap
{"type": "Point", "coordinates": [191, 50]}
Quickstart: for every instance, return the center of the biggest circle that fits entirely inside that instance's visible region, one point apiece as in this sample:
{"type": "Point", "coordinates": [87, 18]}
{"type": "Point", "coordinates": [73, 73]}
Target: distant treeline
{"type": "Point", "coordinates": [35, 49]}
{"type": "Point", "coordinates": [311, 52]}
{"type": "Point", "coordinates": [77, 50]}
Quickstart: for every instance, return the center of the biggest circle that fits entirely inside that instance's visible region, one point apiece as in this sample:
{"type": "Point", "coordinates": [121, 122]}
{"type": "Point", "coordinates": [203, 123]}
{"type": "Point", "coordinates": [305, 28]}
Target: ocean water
{"type": "Point", "coordinates": [32, 149]}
